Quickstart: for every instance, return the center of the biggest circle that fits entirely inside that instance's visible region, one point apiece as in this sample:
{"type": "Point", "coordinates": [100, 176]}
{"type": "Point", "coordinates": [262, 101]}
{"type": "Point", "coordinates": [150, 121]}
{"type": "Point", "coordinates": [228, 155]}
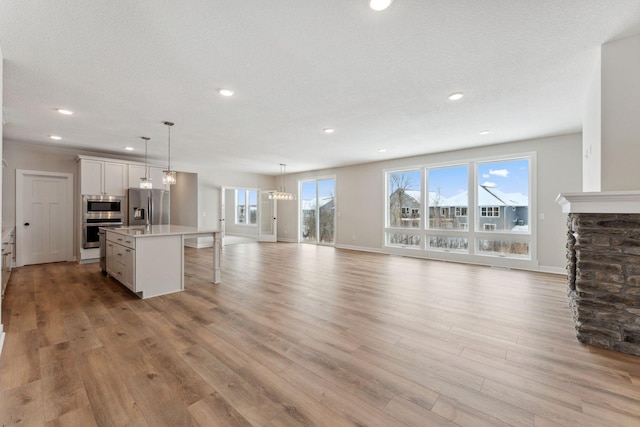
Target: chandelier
{"type": "Point", "coordinates": [145, 181]}
{"type": "Point", "coordinates": [169, 176]}
{"type": "Point", "coordinates": [282, 194]}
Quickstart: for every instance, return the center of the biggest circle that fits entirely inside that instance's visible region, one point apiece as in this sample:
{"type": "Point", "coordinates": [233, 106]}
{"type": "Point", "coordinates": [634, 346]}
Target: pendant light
{"type": "Point", "coordinates": [282, 194]}
{"type": "Point", "coordinates": [169, 176]}
{"type": "Point", "coordinates": [145, 181]}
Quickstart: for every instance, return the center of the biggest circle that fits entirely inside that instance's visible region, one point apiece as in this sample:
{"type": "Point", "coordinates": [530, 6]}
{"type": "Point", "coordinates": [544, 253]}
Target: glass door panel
{"type": "Point", "coordinates": [308, 223]}
{"type": "Point", "coordinates": [317, 211]}
{"type": "Point", "coordinates": [268, 225]}
{"type": "Point", "coordinates": [326, 211]}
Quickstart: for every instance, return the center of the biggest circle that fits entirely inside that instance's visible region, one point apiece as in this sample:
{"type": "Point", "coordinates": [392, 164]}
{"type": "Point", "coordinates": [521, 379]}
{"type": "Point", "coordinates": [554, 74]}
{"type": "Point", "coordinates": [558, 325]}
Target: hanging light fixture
{"type": "Point", "coordinates": [169, 176]}
{"type": "Point", "coordinates": [282, 194]}
{"type": "Point", "coordinates": [145, 181]}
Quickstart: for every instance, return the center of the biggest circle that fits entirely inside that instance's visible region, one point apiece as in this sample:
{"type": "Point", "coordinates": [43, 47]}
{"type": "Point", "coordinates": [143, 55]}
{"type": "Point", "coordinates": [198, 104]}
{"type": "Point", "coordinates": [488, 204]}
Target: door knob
{"type": "Point", "coordinates": [26, 224]}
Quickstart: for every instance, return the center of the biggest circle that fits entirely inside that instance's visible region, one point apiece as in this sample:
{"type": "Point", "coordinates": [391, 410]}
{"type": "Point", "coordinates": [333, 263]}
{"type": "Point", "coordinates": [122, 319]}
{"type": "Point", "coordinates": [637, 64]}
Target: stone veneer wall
{"type": "Point", "coordinates": [603, 254]}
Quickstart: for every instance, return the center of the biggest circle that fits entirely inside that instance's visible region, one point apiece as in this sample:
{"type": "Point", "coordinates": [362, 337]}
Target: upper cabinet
{"type": "Point", "coordinates": [99, 177]}
{"type": "Point", "coordinates": [137, 171]}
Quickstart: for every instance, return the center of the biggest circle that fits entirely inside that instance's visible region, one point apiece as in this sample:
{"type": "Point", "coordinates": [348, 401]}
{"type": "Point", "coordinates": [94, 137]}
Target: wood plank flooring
{"type": "Point", "coordinates": [306, 335]}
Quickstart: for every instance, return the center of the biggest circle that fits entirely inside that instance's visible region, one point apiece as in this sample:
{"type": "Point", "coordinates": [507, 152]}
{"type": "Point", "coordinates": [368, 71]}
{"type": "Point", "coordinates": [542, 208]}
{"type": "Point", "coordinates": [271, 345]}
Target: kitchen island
{"type": "Point", "coordinates": [150, 261]}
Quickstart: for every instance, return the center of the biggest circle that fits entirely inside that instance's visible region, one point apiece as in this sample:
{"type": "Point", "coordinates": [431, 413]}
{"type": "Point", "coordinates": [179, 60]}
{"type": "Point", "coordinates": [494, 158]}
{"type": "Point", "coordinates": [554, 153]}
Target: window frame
{"type": "Point", "coordinates": [471, 227]}
{"type": "Point", "coordinates": [247, 207]}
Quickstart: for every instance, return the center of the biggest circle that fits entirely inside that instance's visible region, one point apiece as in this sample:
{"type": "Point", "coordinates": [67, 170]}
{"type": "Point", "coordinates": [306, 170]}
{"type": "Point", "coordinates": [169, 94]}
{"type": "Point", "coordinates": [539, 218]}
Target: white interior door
{"type": "Point", "coordinates": [267, 219]}
{"type": "Point", "coordinates": [44, 217]}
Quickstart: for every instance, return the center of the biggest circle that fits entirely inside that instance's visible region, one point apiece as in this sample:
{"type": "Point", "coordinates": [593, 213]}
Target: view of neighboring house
{"type": "Point", "coordinates": [497, 210]}
{"type": "Point", "coordinates": [325, 227]}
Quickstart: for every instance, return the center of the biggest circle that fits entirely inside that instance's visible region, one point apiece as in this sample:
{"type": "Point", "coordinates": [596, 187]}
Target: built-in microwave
{"type": "Point", "coordinates": [103, 206]}
{"type": "Point", "coordinates": [100, 211]}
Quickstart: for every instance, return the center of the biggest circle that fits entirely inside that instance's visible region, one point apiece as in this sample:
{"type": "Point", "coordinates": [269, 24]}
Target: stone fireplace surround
{"type": "Point", "coordinates": [603, 267]}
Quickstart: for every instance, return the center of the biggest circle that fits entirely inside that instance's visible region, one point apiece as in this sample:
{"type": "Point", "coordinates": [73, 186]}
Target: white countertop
{"type": "Point", "coordinates": [161, 230]}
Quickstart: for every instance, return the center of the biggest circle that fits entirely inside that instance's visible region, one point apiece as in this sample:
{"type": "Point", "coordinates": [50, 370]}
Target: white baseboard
{"type": "Point", "coordinates": [361, 249]}
{"type": "Point", "coordinates": [552, 270]}
{"type": "Point", "coordinates": [287, 240]}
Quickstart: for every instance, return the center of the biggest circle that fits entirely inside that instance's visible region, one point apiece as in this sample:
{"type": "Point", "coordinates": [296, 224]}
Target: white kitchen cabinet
{"type": "Point", "coordinates": [115, 179]}
{"type": "Point", "coordinates": [130, 268]}
{"type": "Point", "coordinates": [121, 259]}
{"type": "Point", "coordinates": [8, 244]}
{"type": "Point", "coordinates": [155, 173]}
{"type": "Point", "coordinates": [110, 257]}
{"type": "Point", "coordinates": [135, 173]}
{"type": "Point", "coordinates": [99, 177]}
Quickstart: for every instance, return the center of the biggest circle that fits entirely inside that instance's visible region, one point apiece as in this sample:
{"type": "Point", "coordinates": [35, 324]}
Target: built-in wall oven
{"type": "Point", "coordinates": [100, 211]}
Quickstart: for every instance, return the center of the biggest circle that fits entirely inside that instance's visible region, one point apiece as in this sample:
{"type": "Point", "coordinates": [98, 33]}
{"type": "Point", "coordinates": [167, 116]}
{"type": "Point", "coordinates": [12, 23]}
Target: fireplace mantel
{"type": "Point", "coordinates": [618, 202]}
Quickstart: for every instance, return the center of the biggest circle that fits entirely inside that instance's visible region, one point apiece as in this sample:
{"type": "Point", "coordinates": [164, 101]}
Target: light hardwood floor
{"type": "Point", "coordinates": [306, 335]}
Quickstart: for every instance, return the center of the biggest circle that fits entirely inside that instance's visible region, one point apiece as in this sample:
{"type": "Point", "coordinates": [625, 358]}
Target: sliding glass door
{"type": "Point", "coordinates": [317, 211]}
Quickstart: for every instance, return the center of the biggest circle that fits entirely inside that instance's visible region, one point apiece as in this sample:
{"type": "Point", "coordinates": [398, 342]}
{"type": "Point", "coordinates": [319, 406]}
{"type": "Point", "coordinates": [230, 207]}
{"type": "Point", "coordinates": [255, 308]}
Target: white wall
{"type": "Point", "coordinates": [184, 200]}
{"type": "Point", "coordinates": [210, 183]}
{"type": "Point", "coordinates": [592, 133]}
{"type": "Point", "coordinates": [2, 220]}
{"type": "Point", "coordinates": [360, 194]}
{"type": "Point", "coordinates": [621, 114]}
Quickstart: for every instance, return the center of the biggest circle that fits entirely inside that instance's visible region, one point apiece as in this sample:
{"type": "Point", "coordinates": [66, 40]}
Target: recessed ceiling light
{"type": "Point", "coordinates": [382, 150]}
{"type": "Point", "coordinates": [65, 112]}
{"type": "Point", "coordinates": [456, 96]}
{"type": "Point", "coordinates": [379, 5]}
{"type": "Point", "coordinates": [329, 130]}
{"type": "Point", "coordinates": [484, 132]}
{"type": "Point", "coordinates": [225, 92]}
{"type": "Point", "coordinates": [55, 137]}
{"type": "Point", "coordinates": [128, 148]}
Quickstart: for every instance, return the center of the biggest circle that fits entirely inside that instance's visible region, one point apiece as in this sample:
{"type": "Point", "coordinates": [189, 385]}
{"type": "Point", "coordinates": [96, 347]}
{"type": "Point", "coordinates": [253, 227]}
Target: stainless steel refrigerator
{"type": "Point", "coordinates": [151, 204]}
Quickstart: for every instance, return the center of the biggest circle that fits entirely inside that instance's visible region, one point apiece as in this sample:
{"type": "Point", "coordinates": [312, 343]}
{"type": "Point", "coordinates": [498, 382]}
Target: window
{"type": "Point", "coordinates": [503, 194]}
{"type": "Point", "coordinates": [246, 206]}
{"type": "Point", "coordinates": [450, 209]}
{"type": "Point", "coordinates": [448, 243]}
{"type": "Point", "coordinates": [403, 199]}
{"type": "Point", "coordinates": [403, 240]}
{"type": "Point", "coordinates": [448, 194]}
{"type": "Point", "coordinates": [462, 211]}
{"type": "Point", "coordinates": [490, 211]}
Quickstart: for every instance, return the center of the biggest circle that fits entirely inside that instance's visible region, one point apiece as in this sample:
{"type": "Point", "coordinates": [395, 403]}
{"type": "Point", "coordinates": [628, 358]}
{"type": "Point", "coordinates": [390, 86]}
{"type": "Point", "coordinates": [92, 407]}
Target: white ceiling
{"type": "Point", "coordinates": [381, 79]}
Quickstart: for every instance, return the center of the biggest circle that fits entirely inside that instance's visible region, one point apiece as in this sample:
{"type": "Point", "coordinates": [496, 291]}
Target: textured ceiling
{"type": "Point", "coordinates": [381, 79]}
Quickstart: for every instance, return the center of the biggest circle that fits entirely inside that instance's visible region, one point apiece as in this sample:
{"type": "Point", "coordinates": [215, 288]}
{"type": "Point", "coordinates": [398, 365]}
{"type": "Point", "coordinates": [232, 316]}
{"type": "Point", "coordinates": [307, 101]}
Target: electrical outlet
{"type": "Point", "coordinates": [204, 214]}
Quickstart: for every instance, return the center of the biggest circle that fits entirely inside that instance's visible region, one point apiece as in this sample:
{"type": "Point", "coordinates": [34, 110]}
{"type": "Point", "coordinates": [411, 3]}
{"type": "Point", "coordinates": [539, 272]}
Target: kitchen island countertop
{"type": "Point", "coordinates": [162, 230]}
